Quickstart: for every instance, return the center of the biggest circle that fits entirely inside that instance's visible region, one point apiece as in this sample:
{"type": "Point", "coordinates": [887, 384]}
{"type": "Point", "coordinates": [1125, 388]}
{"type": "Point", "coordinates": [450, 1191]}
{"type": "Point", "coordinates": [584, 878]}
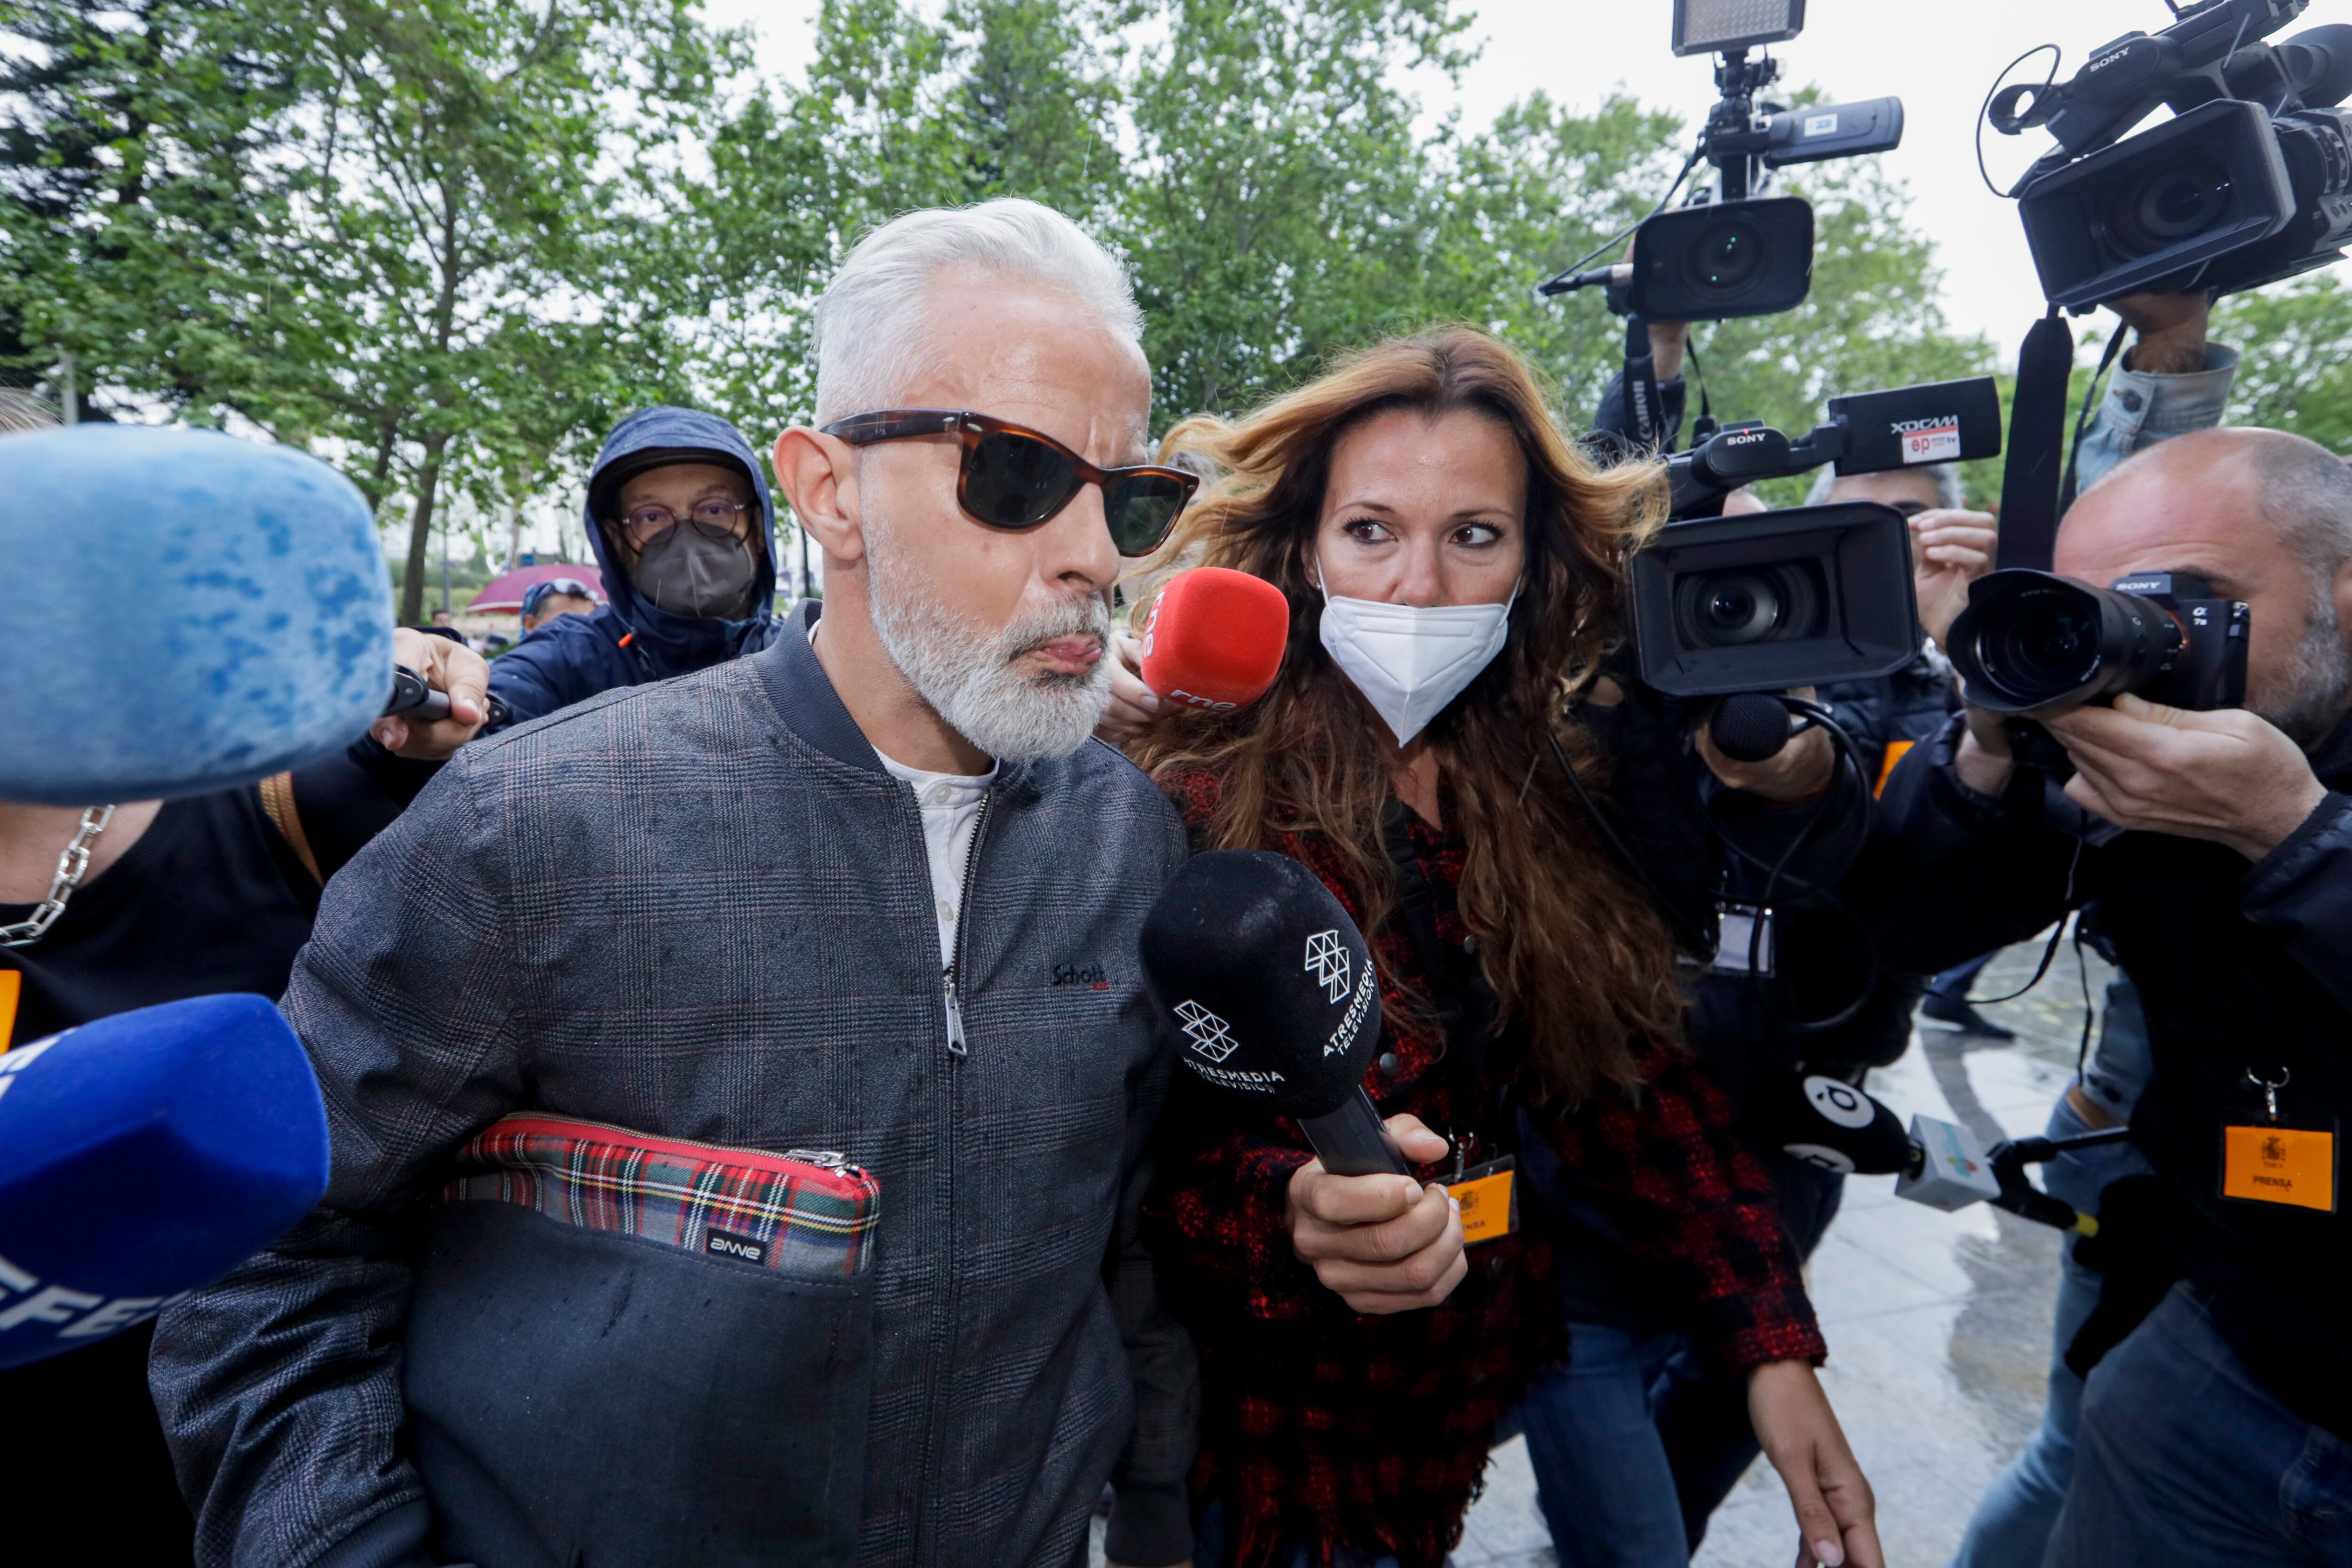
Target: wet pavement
{"type": "Point", "coordinates": [1938, 1324]}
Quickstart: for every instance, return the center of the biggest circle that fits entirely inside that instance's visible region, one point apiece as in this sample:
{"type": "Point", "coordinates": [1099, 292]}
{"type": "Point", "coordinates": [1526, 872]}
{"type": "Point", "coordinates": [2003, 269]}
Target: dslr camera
{"type": "Point", "coordinates": [1733, 251]}
{"type": "Point", "coordinates": [1760, 602]}
{"type": "Point", "coordinates": [2249, 182]}
{"type": "Point", "coordinates": [2034, 643]}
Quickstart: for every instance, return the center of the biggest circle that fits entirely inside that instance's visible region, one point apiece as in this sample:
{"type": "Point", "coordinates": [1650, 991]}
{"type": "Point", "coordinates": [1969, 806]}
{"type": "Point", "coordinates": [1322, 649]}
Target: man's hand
{"type": "Point", "coordinates": [1132, 706]}
{"type": "Point", "coordinates": [1836, 1515]}
{"type": "Point", "coordinates": [447, 665]}
{"type": "Point", "coordinates": [1385, 1244]}
{"type": "Point", "coordinates": [1797, 772]}
{"type": "Point", "coordinates": [2170, 331]}
{"type": "Point", "coordinates": [1982, 759]}
{"type": "Point", "coordinates": [1668, 340]}
{"type": "Point", "coordinates": [2230, 775]}
{"type": "Point", "coordinates": [1949, 550]}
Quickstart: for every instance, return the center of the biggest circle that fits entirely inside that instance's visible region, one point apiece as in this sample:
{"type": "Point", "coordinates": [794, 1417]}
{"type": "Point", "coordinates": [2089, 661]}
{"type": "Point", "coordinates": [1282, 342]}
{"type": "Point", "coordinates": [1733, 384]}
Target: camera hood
{"type": "Point", "coordinates": [2200, 185]}
{"type": "Point", "coordinates": [1772, 600]}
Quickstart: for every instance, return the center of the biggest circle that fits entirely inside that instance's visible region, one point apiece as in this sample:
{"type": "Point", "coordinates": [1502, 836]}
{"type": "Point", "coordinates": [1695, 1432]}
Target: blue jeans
{"type": "Point", "coordinates": [2184, 1461]}
{"type": "Point", "coordinates": [1607, 1491]}
{"type": "Point", "coordinates": [2012, 1521]}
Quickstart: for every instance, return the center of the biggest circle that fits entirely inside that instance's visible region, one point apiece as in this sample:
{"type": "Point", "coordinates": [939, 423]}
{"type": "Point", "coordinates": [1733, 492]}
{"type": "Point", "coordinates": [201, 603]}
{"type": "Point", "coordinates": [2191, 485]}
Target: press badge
{"type": "Point", "coordinates": [1737, 932]}
{"type": "Point", "coordinates": [1489, 1200]}
{"type": "Point", "coordinates": [2275, 1161]}
{"type": "Point", "coordinates": [2271, 1163]}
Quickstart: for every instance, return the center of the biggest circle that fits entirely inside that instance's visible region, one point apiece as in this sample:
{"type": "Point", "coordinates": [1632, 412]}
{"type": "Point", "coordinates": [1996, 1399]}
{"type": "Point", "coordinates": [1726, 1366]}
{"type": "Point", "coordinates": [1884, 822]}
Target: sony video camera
{"type": "Point", "coordinates": [2030, 642]}
{"type": "Point", "coordinates": [1731, 252]}
{"type": "Point", "coordinates": [2250, 181]}
{"type": "Point", "coordinates": [1815, 594]}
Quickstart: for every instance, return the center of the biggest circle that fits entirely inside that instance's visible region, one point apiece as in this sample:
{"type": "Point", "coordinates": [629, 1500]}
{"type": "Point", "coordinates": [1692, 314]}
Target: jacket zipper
{"type": "Point", "coordinates": [957, 1044]}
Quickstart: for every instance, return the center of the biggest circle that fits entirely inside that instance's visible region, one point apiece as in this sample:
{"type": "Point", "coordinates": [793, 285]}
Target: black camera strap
{"type": "Point", "coordinates": [1464, 1002]}
{"type": "Point", "coordinates": [2037, 441]}
{"type": "Point", "coordinates": [1645, 406]}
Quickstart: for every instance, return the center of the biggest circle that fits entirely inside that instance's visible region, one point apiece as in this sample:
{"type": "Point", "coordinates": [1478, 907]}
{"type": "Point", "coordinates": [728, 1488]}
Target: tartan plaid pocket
{"type": "Point", "coordinates": [807, 1212]}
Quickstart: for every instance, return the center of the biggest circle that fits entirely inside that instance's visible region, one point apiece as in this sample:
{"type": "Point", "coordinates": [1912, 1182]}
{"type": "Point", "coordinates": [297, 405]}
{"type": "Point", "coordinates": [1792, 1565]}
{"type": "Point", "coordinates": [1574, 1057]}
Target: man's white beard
{"type": "Point", "coordinates": [966, 671]}
{"type": "Point", "coordinates": [2316, 679]}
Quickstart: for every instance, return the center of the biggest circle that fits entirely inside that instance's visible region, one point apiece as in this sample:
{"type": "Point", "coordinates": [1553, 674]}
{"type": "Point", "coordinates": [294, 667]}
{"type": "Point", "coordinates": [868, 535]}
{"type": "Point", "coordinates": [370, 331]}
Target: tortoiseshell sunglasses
{"type": "Point", "coordinates": [1013, 477]}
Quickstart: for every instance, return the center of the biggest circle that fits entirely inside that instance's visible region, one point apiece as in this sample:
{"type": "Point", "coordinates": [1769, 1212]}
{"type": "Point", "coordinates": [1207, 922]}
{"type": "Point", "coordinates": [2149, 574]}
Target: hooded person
{"type": "Point", "coordinates": [680, 519]}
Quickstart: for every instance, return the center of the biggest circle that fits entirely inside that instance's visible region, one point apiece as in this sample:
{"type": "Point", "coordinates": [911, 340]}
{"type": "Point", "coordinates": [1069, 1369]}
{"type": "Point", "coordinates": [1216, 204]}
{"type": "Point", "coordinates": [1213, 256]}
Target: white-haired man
{"type": "Point", "coordinates": [856, 916]}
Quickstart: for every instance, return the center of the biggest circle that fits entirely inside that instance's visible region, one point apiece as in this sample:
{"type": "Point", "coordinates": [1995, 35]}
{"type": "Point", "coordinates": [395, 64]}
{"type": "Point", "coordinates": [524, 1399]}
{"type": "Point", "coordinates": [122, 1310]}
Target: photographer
{"type": "Point", "coordinates": [2220, 1429]}
{"type": "Point", "coordinates": [2170, 382]}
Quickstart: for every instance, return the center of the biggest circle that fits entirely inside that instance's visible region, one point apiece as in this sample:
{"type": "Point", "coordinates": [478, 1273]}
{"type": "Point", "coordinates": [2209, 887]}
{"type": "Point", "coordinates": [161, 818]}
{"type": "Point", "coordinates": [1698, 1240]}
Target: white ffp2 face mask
{"type": "Point", "coordinates": [1409, 661]}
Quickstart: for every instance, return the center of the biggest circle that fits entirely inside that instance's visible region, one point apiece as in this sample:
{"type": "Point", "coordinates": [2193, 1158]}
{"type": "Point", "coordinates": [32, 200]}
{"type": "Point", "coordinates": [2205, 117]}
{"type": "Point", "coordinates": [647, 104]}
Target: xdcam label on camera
{"type": "Point", "coordinates": [1936, 439]}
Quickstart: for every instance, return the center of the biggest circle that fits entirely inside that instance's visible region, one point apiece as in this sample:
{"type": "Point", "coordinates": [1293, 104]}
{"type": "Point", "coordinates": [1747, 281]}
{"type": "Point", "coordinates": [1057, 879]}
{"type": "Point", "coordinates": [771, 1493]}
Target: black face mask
{"type": "Point", "coordinates": [690, 573]}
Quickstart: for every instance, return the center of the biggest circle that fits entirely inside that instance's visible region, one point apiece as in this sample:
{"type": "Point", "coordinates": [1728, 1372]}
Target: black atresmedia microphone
{"type": "Point", "coordinates": [1275, 994]}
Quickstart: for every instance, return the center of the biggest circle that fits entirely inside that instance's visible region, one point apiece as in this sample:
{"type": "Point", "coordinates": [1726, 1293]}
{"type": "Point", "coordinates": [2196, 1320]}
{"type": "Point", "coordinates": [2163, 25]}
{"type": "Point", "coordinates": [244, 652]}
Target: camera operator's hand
{"type": "Point", "coordinates": [1132, 706]}
{"type": "Point", "coordinates": [2168, 331]}
{"type": "Point", "coordinates": [1385, 1244]}
{"type": "Point", "coordinates": [1798, 773]}
{"type": "Point", "coordinates": [1950, 549]}
{"type": "Point", "coordinates": [447, 665]}
{"type": "Point", "coordinates": [2230, 775]}
{"type": "Point", "coordinates": [1667, 342]}
{"type": "Point", "coordinates": [1836, 1514]}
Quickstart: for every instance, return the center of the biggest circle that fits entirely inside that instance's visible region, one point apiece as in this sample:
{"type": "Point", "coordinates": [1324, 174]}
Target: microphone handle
{"type": "Point", "coordinates": [1351, 1140]}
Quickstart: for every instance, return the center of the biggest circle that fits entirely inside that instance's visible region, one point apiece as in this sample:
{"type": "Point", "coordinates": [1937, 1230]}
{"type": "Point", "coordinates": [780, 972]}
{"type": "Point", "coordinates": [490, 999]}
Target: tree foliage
{"type": "Point", "coordinates": [445, 242]}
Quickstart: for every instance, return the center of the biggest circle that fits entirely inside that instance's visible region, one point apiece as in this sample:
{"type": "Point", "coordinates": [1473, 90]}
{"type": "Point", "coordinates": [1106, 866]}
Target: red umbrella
{"type": "Point", "coordinates": [503, 594]}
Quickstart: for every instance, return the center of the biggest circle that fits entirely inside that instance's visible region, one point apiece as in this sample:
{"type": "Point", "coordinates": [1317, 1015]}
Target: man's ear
{"type": "Point", "coordinates": [818, 474]}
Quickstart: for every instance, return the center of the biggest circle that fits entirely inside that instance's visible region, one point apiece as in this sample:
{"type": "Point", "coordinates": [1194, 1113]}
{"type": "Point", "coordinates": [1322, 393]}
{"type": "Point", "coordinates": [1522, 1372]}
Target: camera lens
{"type": "Point", "coordinates": [1725, 256]}
{"type": "Point", "coordinates": [2052, 646]}
{"type": "Point", "coordinates": [1749, 604]}
{"type": "Point", "coordinates": [2170, 205]}
{"type": "Point", "coordinates": [2030, 642]}
{"type": "Point", "coordinates": [1739, 610]}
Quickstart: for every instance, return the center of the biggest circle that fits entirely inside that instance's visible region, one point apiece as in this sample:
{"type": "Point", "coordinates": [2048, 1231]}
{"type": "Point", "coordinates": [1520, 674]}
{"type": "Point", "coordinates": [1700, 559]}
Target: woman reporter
{"type": "Point", "coordinates": [1453, 567]}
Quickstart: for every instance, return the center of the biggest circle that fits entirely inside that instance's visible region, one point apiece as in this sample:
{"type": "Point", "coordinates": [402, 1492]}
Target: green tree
{"type": "Point", "coordinates": [2295, 370]}
{"type": "Point", "coordinates": [134, 195]}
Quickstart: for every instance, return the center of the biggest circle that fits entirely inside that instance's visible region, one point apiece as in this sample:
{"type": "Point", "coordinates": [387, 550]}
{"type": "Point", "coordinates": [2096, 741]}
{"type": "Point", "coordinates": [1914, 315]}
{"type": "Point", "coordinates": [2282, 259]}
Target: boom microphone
{"type": "Point", "coordinates": [184, 612]}
{"type": "Point", "coordinates": [1215, 639]}
{"type": "Point", "coordinates": [144, 1155]}
{"type": "Point", "coordinates": [1276, 995]}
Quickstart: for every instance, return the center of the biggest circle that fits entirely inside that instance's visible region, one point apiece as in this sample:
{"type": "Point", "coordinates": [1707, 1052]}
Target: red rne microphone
{"type": "Point", "coordinates": [1215, 639]}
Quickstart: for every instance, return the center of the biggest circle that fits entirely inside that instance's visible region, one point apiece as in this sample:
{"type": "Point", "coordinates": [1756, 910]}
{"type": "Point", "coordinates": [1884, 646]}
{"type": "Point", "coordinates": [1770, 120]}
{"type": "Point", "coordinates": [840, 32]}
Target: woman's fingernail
{"type": "Point", "coordinates": [1831, 1554]}
{"type": "Point", "coordinates": [1151, 703]}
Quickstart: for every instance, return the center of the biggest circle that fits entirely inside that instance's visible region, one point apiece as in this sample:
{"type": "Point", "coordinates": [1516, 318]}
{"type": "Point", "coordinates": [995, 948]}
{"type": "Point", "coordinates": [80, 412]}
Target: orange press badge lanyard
{"type": "Point", "coordinates": [2276, 1162]}
{"type": "Point", "coordinates": [1490, 1202]}
{"type": "Point", "coordinates": [12, 984]}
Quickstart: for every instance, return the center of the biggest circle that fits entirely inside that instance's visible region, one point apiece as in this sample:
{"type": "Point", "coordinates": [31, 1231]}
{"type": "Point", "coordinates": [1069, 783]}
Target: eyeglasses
{"type": "Point", "coordinates": [713, 517]}
{"type": "Point", "coordinates": [1016, 478]}
{"type": "Point", "coordinates": [538, 594]}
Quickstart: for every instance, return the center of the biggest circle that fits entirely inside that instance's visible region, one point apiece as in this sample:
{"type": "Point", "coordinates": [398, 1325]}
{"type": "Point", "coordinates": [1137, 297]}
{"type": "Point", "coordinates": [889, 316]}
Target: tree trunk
{"type": "Point", "coordinates": [420, 532]}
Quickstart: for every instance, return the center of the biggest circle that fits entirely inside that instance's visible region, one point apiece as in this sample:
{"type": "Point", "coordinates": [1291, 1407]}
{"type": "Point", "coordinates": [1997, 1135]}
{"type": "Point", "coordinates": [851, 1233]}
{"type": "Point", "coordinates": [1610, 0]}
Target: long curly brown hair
{"type": "Point", "coordinates": [1579, 959]}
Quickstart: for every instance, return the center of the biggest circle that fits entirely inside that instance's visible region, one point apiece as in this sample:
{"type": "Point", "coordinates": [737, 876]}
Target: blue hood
{"type": "Point", "coordinates": [678, 645]}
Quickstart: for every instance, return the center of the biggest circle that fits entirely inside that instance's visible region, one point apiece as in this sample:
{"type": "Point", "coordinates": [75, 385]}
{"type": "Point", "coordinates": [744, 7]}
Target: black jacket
{"type": "Point", "coordinates": [2241, 967]}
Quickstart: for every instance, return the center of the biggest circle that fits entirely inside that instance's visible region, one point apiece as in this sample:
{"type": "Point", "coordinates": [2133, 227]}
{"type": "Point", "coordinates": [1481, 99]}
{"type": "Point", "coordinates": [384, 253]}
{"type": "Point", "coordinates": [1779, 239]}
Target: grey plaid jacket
{"type": "Point", "coordinates": [702, 909]}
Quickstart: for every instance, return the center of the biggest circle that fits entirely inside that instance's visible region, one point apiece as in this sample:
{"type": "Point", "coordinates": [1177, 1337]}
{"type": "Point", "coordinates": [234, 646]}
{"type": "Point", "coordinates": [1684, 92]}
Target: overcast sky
{"type": "Point", "coordinates": [1940, 60]}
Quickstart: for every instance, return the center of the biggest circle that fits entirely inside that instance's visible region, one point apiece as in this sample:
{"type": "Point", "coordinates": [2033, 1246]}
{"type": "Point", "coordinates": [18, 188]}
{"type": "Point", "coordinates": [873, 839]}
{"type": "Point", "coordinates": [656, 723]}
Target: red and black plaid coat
{"type": "Point", "coordinates": [1322, 1426]}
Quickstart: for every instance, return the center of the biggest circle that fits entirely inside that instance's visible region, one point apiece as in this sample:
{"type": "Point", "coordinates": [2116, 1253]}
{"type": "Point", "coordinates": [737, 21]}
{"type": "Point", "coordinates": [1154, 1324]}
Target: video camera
{"type": "Point", "coordinates": [1779, 599]}
{"type": "Point", "coordinates": [2250, 181]}
{"type": "Point", "coordinates": [1731, 252]}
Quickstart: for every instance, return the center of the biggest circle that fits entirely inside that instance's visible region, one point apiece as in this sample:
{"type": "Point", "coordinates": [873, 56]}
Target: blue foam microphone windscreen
{"type": "Point", "coordinates": [182, 612]}
{"type": "Point", "coordinates": [144, 1155]}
